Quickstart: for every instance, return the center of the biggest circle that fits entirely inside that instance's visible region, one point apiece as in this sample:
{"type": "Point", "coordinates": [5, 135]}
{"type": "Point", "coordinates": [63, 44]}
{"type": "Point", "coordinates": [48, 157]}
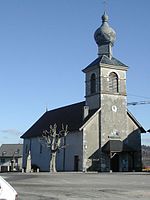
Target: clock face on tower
{"type": "Point", "coordinates": [114, 108]}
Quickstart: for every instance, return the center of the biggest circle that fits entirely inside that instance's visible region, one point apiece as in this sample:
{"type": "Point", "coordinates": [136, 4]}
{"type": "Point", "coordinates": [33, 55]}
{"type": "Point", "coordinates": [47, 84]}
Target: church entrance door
{"type": "Point", "coordinates": [76, 163]}
{"type": "Point", "coordinates": [114, 163]}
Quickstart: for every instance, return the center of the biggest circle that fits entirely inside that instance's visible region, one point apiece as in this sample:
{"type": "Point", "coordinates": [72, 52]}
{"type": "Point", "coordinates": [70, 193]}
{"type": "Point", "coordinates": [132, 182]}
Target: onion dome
{"type": "Point", "coordinates": [105, 34]}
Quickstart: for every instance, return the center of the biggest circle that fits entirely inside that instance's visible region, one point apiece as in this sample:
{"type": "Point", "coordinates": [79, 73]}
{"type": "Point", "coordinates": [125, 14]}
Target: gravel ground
{"type": "Point", "coordinates": [80, 186]}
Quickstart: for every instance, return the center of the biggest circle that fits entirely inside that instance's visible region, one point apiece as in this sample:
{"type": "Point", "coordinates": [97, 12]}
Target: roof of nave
{"type": "Point", "coordinates": [71, 115]}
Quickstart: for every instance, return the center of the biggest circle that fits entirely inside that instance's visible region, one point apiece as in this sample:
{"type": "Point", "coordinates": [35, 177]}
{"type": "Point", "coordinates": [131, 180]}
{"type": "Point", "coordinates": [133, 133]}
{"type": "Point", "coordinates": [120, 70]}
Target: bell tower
{"type": "Point", "coordinates": [106, 86]}
{"type": "Point", "coordinates": [105, 75]}
{"type": "Point", "coordinates": [96, 83]}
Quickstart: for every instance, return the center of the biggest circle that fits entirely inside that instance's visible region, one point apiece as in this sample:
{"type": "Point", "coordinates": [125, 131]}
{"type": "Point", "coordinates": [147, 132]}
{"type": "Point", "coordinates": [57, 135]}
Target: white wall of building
{"type": "Point", "coordinates": [73, 148]}
{"type": "Point", "coordinates": [40, 154]}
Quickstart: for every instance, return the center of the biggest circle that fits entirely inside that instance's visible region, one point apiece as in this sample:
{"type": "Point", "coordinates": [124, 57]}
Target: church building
{"type": "Point", "coordinates": [103, 135]}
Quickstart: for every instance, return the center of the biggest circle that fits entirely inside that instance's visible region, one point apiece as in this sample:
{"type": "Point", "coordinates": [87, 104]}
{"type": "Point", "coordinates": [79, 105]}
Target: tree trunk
{"type": "Point", "coordinates": [53, 162]}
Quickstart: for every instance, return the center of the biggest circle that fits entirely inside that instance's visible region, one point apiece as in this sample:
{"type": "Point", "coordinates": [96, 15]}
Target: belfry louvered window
{"type": "Point", "coordinates": [93, 83]}
{"type": "Point", "coordinates": [113, 82]}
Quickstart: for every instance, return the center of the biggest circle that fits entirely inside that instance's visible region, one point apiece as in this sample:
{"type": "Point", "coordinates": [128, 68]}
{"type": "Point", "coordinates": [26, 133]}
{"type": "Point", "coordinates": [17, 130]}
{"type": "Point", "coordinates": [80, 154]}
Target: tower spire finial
{"type": "Point", "coordinates": [105, 37]}
{"type": "Point", "coordinates": [105, 3]}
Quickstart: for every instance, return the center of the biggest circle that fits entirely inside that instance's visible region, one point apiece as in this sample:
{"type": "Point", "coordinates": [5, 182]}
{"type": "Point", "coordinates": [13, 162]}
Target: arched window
{"type": "Point", "coordinates": [93, 83]}
{"type": "Point", "coordinates": [113, 82]}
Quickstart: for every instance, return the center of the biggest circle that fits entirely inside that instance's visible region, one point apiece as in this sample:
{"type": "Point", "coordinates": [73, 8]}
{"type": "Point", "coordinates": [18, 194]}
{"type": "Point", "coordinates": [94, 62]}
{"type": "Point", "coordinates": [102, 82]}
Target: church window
{"type": "Point", "coordinates": [26, 149]}
{"type": "Point", "coordinates": [93, 83]}
{"type": "Point", "coordinates": [113, 82]}
{"type": "Point", "coordinates": [41, 149]}
{"type": "Point", "coordinates": [2, 160]}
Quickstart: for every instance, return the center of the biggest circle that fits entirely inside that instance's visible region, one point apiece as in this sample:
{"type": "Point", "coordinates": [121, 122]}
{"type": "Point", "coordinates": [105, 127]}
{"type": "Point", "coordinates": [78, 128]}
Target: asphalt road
{"type": "Point", "coordinates": [80, 186]}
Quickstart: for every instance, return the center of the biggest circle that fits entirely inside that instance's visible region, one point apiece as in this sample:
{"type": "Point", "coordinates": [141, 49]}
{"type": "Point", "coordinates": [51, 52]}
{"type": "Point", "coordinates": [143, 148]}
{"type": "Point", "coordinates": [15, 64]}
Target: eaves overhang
{"type": "Point", "coordinates": [136, 122]}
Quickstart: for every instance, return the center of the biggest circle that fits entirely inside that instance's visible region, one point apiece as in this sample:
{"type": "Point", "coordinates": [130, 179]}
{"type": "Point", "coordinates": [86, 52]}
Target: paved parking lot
{"type": "Point", "coordinates": [81, 186]}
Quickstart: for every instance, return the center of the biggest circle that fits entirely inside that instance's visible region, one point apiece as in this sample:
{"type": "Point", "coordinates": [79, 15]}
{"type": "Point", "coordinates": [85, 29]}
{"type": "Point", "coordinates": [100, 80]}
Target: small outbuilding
{"type": "Point", "coordinates": [11, 157]}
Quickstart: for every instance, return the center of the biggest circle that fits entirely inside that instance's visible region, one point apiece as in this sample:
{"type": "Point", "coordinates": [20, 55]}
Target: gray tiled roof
{"type": "Point", "coordinates": [8, 150]}
{"type": "Point", "coordinates": [71, 115]}
{"type": "Point", "coordinates": [105, 60]}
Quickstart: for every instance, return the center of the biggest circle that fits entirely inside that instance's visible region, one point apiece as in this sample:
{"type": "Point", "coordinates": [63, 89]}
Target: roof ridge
{"type": "Point", "coordinates": [59, 108]}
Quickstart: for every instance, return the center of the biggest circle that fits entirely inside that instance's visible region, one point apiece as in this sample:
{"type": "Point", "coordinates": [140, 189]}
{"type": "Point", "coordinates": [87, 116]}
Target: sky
{"type": "Point", "coordinates": [45, 44]}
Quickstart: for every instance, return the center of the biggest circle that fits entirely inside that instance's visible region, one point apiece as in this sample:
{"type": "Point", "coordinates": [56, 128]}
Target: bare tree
{"type": "Point", "coordinates": [53, 141]}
